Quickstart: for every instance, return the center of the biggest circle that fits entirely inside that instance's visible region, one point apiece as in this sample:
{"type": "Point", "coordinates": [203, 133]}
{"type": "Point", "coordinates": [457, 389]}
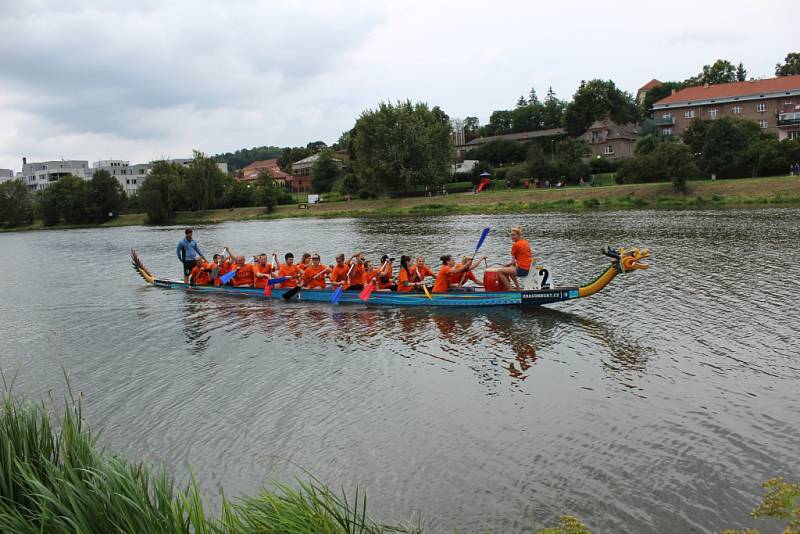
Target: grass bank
{"type": "Point", "coordinates": [748, 192]}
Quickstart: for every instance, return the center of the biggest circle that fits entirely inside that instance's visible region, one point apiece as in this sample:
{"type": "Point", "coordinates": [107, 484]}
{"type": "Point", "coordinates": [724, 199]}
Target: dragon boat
{"type": "Point", "coordinates": [622, 262]}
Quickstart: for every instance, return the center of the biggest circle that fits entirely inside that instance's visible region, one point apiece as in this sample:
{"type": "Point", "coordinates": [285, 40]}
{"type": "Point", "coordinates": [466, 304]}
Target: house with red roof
{"type": "Point", "coordinates": [270, 166]}
{"type": "Point", "coordinates": [773, 103]}
{"type": "Point", "coordinates": [643, 90]}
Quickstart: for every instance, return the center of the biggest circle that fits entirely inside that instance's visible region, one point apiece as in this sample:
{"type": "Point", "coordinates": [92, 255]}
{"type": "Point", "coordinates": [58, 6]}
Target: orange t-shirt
{"type": "Point", "coordinates": [357, 274]}
{"type": "Point", "coordinates": [386, 279]}
{"type": "Point", "coordinates": [261, 282]}
{"type": "Point", "coordinates": [223, 267]}
{"type": "Point", "coordinates": [422, 273]}
{"type": "Point", "coordinates": [289, 270]}
{"type": "Point", "coordinates": [455, 278]}
{"type": "Point", "coordinates": [442, 283]}
{"type": "Point", "coordinates": [201, 276]}
{"type": "Point", "coordinates": [403, 276]}
{"type": "Point", "coordinates": [244, 276]}
{"type": "Point", "coordinates": [308, 277]}
{"type": "Point", "coordinates": [521, 250]}
{"type": "Point", "coordinates": [339, 274]}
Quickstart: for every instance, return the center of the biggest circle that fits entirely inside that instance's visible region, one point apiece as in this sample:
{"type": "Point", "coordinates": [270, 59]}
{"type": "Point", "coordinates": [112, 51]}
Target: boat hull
{"type": "Point", "coordinates": [392, 298]}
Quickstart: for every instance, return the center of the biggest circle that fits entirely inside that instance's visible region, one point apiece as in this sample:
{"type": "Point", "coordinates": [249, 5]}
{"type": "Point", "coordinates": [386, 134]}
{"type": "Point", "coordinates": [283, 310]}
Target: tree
{"type": "Point", "coordinates": [472, 127]}
{"type": "Point", "coordinates": [325, 172]}
{"type": "Point", "coordinates": [536, 162]}
{"type": "Point", "coordinates": [553, 112]}
{"type": "Point", "coordinates": [398, 147]}
{"type": "Point", "coordinates": [245, 156]}
{"type": "Point", "coordinates": [526, 118]}
{"type": "Point", "coordinates": [15, 203]}
{"type": "Point", "coordinates": [162, 192]}
{"type": "Point", "coordinates": [73, 199]}
{"type": "Point", "coordinates": [237, 195]}
{"type": "Point", "coordinates": [741, 73]}
{"type": "Point", "coordinates": [292, 155]}
{"type": "Point", "coordinates": [646, 144]}
{"type": "Point", "coordinates": [658, 92]}
{"type": "Point", "coordinates": [790, 66]}
{"type": "Point", "coordinates": [521, 102]}
{"type": "Point", "coordinates": [532, 98]}
{"type": "Point", "coordinates": [316, 146]}
{"type": "Point", "coordinates": [499, 152]}
{"type": "Point", "coordinates": [499, 123]}
{"type": "Point", "coordinates": [569, 159]}
{"type": "Point", "coordinates": [204, 182]}
{"type": "Point", "coordinates": [666, 162]}
{"type": "Point", "coordinates": [268, 194]}
{"type": "Point", "coordinates": [107, 195]}
{"type": "Point", "coordinates": [694, 136]}
{"type": "Point", "coordinates": [721, 71]}
{"type": "Point", "coordinates": [725, 148]}
{"type": "Point", "coordinates": [598, 100]}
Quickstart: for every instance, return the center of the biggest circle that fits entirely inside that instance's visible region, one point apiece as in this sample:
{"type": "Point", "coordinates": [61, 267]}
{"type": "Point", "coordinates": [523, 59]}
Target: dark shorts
{"type": "Point", "coordinates": [188, 265]}
{"type": "Point", "coordinates": [522, 272]}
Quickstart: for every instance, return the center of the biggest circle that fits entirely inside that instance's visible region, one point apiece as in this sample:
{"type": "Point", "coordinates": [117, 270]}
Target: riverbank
{"type": "Point", "coordinates": [747, 192]}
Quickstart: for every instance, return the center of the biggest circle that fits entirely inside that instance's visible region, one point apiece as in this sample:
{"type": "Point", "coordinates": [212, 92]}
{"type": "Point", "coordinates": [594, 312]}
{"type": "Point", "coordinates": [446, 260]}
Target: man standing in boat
{"type": "Point", "coordinates": [188, 251]}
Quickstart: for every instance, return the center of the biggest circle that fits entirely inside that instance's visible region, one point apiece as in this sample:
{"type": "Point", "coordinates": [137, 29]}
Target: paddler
{"type": "Point", "coordinates": [262, 271]}
{"type": "Point", "coordinates": [446, 271]}
{"type": "Point", "coordinates": [222, 265]}
{"type": "Point", "coordinates": [244, 273]}
{"type": "Point", "coordinates": [356, 277]}
{"type": "Point", "coordinates": [462, 278]}
{"type": "Point", "coordinates": [289, 269]}
{"type": "Point", "coordinates": [422, 271]}
{"type": "Point", "coordinates": [305, 261]}
{"type": "Point", "coordinates": [386, 274]}
{"type": "Point", "coordinates": [314, 275]}
{"type": "Point", "coordinates": [407, 279]}
{"type": "Point", "coordinates": [520, 266]}
{"type": "Point", "coordinates": [201, 273]}
{"type": "Point", "coordinates": [339, 272]}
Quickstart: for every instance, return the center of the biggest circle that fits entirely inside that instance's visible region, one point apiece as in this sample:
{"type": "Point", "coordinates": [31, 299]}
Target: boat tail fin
{"type": "Point", "coordinates": [139, 267]}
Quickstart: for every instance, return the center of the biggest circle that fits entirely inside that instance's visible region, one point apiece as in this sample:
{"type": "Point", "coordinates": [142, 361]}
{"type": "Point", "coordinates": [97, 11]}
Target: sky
{"type": "Point", "coordinates": [148, 79]}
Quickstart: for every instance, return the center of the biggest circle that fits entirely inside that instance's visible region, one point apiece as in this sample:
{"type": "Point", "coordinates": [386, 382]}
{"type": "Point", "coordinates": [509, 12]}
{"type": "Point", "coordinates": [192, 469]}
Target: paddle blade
{"type": "Point", "coordinates": [336, 295]}
{"type": "Point", "coordinates": [268, 289]}
{"type": "Point", "coordinates": [427, 293]}
{"type": "Point", "coordinates": [366, 292]}
{"type": "Point", "coordinates": [279, 280]}
{"type": "Point", "coordinates": [482, 239]}
{"type": "Point", "coordinates": [292, 292]}
{"type": "Point", "coordinates": [225, 278]}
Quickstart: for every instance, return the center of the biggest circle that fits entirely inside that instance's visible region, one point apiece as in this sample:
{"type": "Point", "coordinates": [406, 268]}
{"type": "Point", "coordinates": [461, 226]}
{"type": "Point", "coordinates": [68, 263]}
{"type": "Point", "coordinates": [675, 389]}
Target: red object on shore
{"type": "Point", "coordinates": [483, 184]}
{"type": "Point", "coordinates": [491, 281]}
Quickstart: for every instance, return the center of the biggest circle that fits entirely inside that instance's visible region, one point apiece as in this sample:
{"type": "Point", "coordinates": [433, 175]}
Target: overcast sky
{"type": "Point", "coordinates": [146, 79]}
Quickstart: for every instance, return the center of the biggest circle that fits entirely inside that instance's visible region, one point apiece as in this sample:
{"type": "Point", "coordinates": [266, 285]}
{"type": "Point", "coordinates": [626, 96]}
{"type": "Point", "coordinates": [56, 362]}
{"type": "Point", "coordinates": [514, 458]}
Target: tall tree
{"type": "Point", "coordinates": [741, 73]}
{"type": "Point", "coordinates": [316, 146]}
{"type": "Point", "coordinates": [325, 172]}
{"type": "Point", "coordinates": [204, 182]}
{"type": "Point", "coordinates": [790, 66]}
{"type": "Point", "coordinates": [598, 100]}
{"type": "Point", "coordinates": [15, 203]}
{"type": "Point", "coordinates": [553, 112]}
{"type": "Point", "coordinates": [521, 102]}
{"type": "Point", "coordinates": [657, 93]}
{"type": "Point", "coordinates": [532, 98]}
{"type": "Point", "coordinates": [108, 197]}
{"type": "Point", "coordinates": [401, 146]}
{"type": "Point", "coordinates": [472, 127]}
{"type": "Point", "coordinates": [721, 71]}
{"type": "Point", "coordinates": [499, 123]}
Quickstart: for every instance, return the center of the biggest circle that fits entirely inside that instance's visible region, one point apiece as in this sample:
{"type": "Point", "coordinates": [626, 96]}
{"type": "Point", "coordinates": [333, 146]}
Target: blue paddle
{"type": "Point", "coordinates": [227, 277]}
{"type": "Point", "coordinates": [338, 293]}
{"type": "Point", "coordinates": [480, 242]}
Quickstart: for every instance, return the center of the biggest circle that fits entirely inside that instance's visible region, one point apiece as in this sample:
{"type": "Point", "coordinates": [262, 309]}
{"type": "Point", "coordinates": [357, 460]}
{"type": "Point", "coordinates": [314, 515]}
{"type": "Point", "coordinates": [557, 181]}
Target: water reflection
{"type": "Point", "coordinates": [493, 343]}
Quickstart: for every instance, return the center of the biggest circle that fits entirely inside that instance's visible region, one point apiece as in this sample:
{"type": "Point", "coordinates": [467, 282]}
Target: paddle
{"type": "Point", "coordinates": [295, 290]}
{"type": "Point", "coordinates": [338, 293]}
{"type": "Point", "coordinates": [369, 288]}
{"type": "Point", "coordinates": [480, 242]}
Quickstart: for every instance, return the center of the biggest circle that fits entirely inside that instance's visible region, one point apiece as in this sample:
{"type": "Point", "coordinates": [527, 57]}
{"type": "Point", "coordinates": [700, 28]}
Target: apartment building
{"type": "Point", "coordinates": [130, 177]}
{"type": "Point", "coordinates": [38, 176]}
{"type": "Point", "coordinates": [6, 175]}
{"type": "Point", "coordinates": [772, 103]}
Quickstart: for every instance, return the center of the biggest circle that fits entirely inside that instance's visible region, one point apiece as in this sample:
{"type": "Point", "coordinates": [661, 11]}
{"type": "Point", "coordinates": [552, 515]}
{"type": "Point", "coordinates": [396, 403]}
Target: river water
{"type": "Point", "coordinates": [658, 405]}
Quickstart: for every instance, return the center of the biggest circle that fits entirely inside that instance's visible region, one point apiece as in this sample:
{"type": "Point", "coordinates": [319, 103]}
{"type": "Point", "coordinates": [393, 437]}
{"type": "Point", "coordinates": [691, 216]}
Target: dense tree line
{"type": "Point", "coordinates": [16, 207]}
{"type": "Point", "coordinates": [245, 156]}
{"type": "Point", "coordinates": [76, 201]}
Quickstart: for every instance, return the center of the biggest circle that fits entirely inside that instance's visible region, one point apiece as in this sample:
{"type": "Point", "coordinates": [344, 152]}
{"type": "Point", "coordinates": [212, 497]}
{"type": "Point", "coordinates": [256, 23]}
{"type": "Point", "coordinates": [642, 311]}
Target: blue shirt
{"type": "Point", "coordinates": [188, 250]}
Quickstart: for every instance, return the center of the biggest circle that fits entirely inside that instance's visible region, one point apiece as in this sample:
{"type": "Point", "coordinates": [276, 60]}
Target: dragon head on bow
{"type": "Point", "coordinates": [628, 260]}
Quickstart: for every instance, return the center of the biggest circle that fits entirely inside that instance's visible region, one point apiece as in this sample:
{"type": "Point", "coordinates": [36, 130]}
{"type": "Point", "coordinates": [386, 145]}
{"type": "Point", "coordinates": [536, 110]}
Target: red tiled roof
{"type": "Point", "coordinates": [729, 90]}
{"type": "Point", "coordinates": [649, 85]}
{"type": "Point", "coordinates": [270, 166]}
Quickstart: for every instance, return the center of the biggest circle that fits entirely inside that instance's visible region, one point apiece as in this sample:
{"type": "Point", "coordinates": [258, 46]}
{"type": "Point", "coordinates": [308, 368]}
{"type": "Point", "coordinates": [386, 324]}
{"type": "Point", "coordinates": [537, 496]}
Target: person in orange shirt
{"type": "Point", "coordinates": [201, 273]}
{"type": "Point", "coordinates": [244, 273]}
{"type": "Point", "coordinates": [407, 279]}
{"type": "Point", "coordinates": [340, 273]}
{"type": "Point", "coordinates": [448, 268]}
{"type": "Point", "coordinates": [305, 261]}
{"type": "Point", "coordinates": [314, 275]}
{"type": "Point", "coordinates": [356, 276]}
{"type": "Point", "coordinates": [370, 273]}
{"type": "Point", "coordinates": [459, 279]}
{"type": "Point", "coordinates": [289, 269]}
{"type": "Point", "coordinates": [521, 263]}
{"type": "Point", "coordinates": [262, 271]}
{"type": "Point", "coordinates": [386, 274]}
{"type": "Point", "coordinates": [221, 266]}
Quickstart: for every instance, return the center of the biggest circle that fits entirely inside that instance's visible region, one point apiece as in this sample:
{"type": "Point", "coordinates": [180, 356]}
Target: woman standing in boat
{"type": "Point", "coordinates": [521, 263]}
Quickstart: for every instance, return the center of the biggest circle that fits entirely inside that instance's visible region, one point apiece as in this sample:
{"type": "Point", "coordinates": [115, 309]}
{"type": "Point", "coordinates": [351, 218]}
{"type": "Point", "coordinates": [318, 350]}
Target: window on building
{"type": "Point", "coordinates": [761, 107]}
{"type": "Point", "coordinates": [763, 123]}
{"type": "Point", "coordinates": [736, 110]}
{"type": "Point", "coordinates": [666, 116]}
{"type": "Point", "coordinates": [134, 181]}
{"type": "Point", "coordinates": [794, 135]}
{"type": "Point", "coordinates": [666, 131]}
{"type": "Point", "coordinates": [597, 137]}
{"type": "Point", "coordinates": [689, 114]}
{"type": "Point", "coordinates": [127, 182]}
{"type": "Point", "coordinates": [712, 113]}
{"type": "Point", "coordinates": [609, 149]}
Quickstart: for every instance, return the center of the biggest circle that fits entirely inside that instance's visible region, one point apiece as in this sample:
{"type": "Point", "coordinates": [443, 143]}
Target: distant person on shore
{"type": "Point", "coordinates": [188, 251]}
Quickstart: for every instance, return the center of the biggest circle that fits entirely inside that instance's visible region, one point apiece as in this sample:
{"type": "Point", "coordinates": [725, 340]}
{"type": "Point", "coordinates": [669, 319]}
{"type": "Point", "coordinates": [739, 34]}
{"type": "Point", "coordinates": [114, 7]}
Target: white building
{"type": "Point", "coordinates": [130, 177]}
{"type": "Point", "coordinates": [6, 175]}
{"type": "Point", "coordinates": [38, 176]}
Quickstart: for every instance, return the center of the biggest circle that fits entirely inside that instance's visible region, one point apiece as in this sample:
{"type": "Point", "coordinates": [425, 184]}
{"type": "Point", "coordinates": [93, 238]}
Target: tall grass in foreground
{"type": "Point", "coordinates": [56, 480]}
